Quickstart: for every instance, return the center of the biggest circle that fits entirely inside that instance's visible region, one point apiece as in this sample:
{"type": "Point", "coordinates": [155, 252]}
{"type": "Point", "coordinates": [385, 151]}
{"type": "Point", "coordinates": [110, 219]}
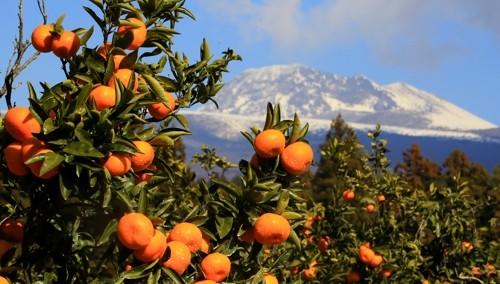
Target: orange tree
{"type": "Point", "coordinates": [377, 229]}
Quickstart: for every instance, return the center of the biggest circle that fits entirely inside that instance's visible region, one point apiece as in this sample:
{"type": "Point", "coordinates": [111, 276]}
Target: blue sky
{"type": "Point", "coordinates": [450, 48]}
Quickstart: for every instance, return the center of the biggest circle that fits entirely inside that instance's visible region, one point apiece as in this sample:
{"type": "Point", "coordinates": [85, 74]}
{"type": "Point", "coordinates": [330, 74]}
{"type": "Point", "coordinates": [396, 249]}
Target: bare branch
{"type": "Point", "coordinates": [16, 64]}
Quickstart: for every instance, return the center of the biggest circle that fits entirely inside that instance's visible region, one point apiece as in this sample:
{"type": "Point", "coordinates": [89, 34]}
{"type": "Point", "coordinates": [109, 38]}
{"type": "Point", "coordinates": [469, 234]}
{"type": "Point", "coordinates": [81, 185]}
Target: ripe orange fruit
{"type": "Point", "coordinates": [142, 159]}
{"type": "Point", "coordinates": [154, 250]}
{"type": "Point", "coordinates": [159, 110]}
{"type": "Point", "coordinates": [476, 272]}
{"type": "Point", "coordinates": [386, 272]}
{"type": "Point", "coordinates": [117, 164]}
{"type": "Point", "coordinates": [14, 159]}
{"type": "Point", "coordinates": [271, 229]}
{"type": "Point", "coordinates": [205, 243]}
{"type": "Point", "coordinates": [135, 230]}
{"type": "Point", "coordinates": [20, 124]}
{"type": "Point", "coordinates": [41, 38]}
{"type": "Point", "coordinates": [144, 176]}
{"type": "Point", "coordinates": [380, 198]}
{"type": "Point", "coordinates": [467, 247]}
{"type": "Point", "coordinates": [179, 257]}
{"type": "Point", "coordinates": [366, 254]}
{"type": "Point", "coordinates": [205, 282]}
{"type": "Point", "coordinates": [348, 195]}
{"type": "Point", "coordinates": [323, 243]}
{"type": "Point", "coordinates": [294, 270]}
{"type": "Point", "coordinates": [425, 282]}
{"type": "Point", "coordinates": [36, 167]}
{"type": "Point", "coordinates": [187, 233]}
{"type": "Point", "coordinates": [248, 236]}
{"type": "Point", "coordinates": [353, 276]}
{"type": "Point", "coordinates": [269, 143]}
{"type": "Point", "coordinates": [376, 260]}
{"type": "Point", "coordinates": [4, 280]}
{"type": "Point", "coordinates": [14, 229]}
{"type": "Point", "coordinates": [492, 270]}
{"type": "Point", "coordinates": [310, 272]}
{"type": "Point", "coordinates": [103, 96]}
{"type": "Point", "coordinates": [104, 49]}
{"type": "Point", "coordinates": [117, 60]}
{"type": "Point", "coordinates": [370, 208]}
{"type": "Point", "coordinates": [297, 157]}
{"type": "Point", "coordinates": [137, 35]}
{"type": "Point", "coordinates": [124, 76]}
{"type": "Point", "coordinates": [66, 44]}
{"type": "Point", "coordinates": [31, 146]}
{"type": "Point", "coordinates": [128, 267]}
{"type": "Point", "coordinates": [270, 279]}
{"type": "Point", "coordinates": [216, 266]}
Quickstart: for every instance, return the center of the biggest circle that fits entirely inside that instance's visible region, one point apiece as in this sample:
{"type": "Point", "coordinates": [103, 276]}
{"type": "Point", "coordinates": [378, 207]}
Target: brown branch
{"type": "Point", "coordinates": [16, 64]}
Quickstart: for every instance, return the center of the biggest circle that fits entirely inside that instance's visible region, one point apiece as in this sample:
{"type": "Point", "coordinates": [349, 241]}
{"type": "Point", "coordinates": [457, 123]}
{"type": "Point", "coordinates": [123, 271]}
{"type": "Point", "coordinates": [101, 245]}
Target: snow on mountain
{"type": "Point", "coordinates": [318, 97]}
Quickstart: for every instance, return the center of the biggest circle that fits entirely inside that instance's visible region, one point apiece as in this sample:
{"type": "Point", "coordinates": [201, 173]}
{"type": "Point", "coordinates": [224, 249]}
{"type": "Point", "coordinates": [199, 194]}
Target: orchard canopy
{"type": "Point", "coordinates": [96, 187]}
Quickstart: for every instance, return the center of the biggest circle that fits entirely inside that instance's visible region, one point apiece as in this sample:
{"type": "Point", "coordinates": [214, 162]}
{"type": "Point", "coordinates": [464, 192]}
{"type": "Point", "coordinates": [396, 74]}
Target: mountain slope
{"type": "Point", "coordinates": [318, 95]}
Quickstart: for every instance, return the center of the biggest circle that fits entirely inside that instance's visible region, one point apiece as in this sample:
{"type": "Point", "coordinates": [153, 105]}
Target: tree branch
{"type": "Point", "coordinates": [16, 64]}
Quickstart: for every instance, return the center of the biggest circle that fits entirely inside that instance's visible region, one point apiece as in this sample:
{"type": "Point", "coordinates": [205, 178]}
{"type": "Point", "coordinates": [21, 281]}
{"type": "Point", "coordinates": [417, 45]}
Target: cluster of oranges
{"type": "Point", "coordinates": [20, 154]}
{"type": "Point", "coordinates": [136, 232]}
{"type": "Point", "coordinates": [295, 158]}
{"type": "Point", "coordinates": [11, 234]}
{"type": "Point", "coordinates": [63, 44]}
{"type": "Point", "coordinates": [349, 195]}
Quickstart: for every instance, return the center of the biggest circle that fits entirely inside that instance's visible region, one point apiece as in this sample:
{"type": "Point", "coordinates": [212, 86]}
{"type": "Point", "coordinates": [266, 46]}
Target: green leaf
{"type": "Point", "coordinates": [176, 279]}
{"type": "Point", "coordinates": [290, 215]}
{"type": "Point", "coordinates": [230, 187]}
{"type": "Point", "coordinates": [223, 225]}
{"type": "Point", "coordinates": [155, 86]}
{"type": "Point", "coordinates": [143, 202]}
{"type": "Point", "coordinates": [86, 36]}
{"type": "Point", "coordinates": [282, 202]}
{"type": "Point", "coordinates": [50, 161]}
{"type": "Point", "coordinates": [162, 140]}
{"type": "Point", "coordinates": [295, 239]}
{"type": "Point", "coordinates": [82, 149]}
{"type": "Point", "coordinates": [108, 231]}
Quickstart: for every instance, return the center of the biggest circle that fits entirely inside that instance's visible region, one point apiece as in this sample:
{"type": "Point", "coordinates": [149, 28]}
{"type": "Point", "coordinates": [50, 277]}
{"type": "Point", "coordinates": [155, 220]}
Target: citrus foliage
{"type": "Point", "coordinates": [98, 190]}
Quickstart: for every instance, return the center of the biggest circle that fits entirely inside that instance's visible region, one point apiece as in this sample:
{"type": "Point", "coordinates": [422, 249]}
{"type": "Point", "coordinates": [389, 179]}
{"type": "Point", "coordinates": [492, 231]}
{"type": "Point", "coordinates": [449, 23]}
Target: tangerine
{"type": "Point", "coordinates": [4, 280]}
{"type": "Point", "coordinates": [370, 208]}
{"type": "Point", "coordinates": [154, 250]}
{"type": "Point", "coordinates": [160, 110]}
{"type": "Point", "coordinates": [269, 143]}
{"type": "Point", "coordinates": [124, 76]}
{"type": "Point", "coordinates": [41, 38]}
{"type": "Point", "coordinates": [30, 147]}
{"type": "Point", "coordinates": [271, 229]}
{"type": "Point", "coordinates": [14, 229]}
{"type": "Point", "coordinates": [135, 230]}
{"type": "Point", "coordinates": [66, 44]}
{"type": "Point", "coordinates": [103, 97]}
{"type": "Point", "coordinates": [14, 159]}
{"type": "Point", "coordinates": [135, 34]}
{"type": "Point", "coordinates": [142, 159]}
{"type": "Point", "coordinates": [205, 282]}
{"type": "Point", "coordinates": [366, 254]}
{"type": "Point", "coordinates": [20, 123]}
{"type": "Point", "coordinates": [376, 260]}
{"type": "Point", "coordinates": [118, 164]}
{"type": "Point", "coordinates": [187, 233]}
{"type": "Point", "coordinates": [297, 157]}
{"type": "Point", "coordinates": [216, 266]}
{"type": "Point", "coordinates": [270, 279]}
{"type": "Point", "coordinates": [348, 195]}
{"type": "Point", "coordinates": [179, 257]}
{"type": "Point", "coordinates": [205, 244]}
{"type": "Point", "coordinates": [353, 276]}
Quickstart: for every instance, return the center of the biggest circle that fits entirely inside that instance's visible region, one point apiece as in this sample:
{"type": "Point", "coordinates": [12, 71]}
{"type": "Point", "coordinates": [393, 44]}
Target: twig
{"type": "Point", "coordinates": [16, 64]}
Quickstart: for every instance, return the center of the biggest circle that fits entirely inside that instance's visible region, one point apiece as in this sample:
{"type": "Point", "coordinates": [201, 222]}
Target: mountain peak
{"type": "Point", "coordinates": [320, 95]}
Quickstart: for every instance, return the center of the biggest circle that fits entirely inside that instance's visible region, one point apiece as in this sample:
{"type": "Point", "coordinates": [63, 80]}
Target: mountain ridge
{"type": "Point", "coordinates": [320, 95]}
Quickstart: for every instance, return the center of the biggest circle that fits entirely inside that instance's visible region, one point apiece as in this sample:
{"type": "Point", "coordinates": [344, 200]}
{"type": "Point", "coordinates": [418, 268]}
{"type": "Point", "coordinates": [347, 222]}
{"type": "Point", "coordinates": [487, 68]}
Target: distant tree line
{"type": "Point", "coordinates": [418, 172]}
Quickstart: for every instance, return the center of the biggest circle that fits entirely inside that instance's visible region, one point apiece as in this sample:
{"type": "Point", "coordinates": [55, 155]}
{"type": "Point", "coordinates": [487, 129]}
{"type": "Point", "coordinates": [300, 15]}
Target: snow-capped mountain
{"type": "Point", "coordinates": [407, 115]}
{"type": "Point", "coordinates": [319, 97]}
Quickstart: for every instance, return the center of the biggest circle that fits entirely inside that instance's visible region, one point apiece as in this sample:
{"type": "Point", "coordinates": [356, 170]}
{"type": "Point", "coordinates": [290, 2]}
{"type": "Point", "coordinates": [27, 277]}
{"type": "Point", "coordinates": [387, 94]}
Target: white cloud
{"type": "Point", "coordinates": [397, 32]}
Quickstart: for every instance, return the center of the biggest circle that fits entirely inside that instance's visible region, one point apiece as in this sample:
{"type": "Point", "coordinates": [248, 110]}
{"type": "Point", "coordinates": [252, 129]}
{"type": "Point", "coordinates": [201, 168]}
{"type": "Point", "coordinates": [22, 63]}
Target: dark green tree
{"type": "Point", "coordinates": [332, 170]}
{"type": "Point", "coordinates": [419, 172]}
